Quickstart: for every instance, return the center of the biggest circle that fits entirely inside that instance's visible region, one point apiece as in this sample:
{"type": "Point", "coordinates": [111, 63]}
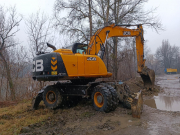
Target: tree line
{"type": "Point", "coordinates": [166, 56]}
{"type": "Point", "coordinates": [76, 20]}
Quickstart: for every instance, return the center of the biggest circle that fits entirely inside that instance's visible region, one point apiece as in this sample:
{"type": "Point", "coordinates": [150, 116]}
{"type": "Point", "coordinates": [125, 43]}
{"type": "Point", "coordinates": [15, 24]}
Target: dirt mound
{"type": "Point", "coordinates": [136, 84]}
{"type": "Point", "coordinates": [82, 119]}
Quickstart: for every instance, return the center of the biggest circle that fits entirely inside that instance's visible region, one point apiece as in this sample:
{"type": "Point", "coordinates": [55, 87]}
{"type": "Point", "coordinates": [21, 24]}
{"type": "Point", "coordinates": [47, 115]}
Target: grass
{"type": "Point", "coordinates": [13, 118]}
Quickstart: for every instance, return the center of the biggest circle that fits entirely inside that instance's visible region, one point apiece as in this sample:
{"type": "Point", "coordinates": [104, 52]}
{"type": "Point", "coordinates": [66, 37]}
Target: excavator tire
{"type": "Point", "coordinates": [127, 103]}
{"type": "Point", "coordinates": [52, 97]}
{"type": "Point", "coordinates": [114, 96]}
{"type": "Point", "coordinates": [127, 100]}
{"type": "Point", "coordinates": [102, 99]}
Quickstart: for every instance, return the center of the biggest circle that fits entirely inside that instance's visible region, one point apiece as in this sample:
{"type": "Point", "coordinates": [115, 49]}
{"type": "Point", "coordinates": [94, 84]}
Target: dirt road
{"type": "Point", "coordinates": [83, 119]}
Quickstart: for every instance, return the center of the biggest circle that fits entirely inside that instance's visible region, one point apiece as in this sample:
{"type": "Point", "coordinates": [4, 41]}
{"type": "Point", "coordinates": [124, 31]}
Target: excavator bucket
{"type": "Point", "coordinates": [148, 77]}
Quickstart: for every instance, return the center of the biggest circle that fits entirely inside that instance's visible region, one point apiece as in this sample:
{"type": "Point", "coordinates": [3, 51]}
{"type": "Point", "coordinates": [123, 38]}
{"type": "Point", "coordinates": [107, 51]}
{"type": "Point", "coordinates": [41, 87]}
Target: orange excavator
{"type": "Point", "coordinates": [82, 64]}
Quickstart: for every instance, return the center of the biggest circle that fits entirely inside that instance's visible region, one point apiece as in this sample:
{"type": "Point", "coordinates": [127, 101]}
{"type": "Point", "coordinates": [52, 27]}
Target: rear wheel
{"type": "Point", "coordinates": [102, 99]}
{"type": "Point", "coordinates": [52, 97]}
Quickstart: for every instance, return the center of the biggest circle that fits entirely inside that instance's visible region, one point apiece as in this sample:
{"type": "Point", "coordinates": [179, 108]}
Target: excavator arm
{"type": "Point", "coordinates": [99, 39]}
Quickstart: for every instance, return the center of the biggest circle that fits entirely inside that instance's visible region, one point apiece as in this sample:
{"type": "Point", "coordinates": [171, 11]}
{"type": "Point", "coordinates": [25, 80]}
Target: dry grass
{"type": "Point", "coordinates": [13, 118]}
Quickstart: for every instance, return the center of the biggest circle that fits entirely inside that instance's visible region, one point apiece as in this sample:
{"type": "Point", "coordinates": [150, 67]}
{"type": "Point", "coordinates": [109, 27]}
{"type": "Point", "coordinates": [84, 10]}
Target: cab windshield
{"type": "Point", "coordinates": [78, 48]}
{"type": "Point", "coordinates": [81, 48]}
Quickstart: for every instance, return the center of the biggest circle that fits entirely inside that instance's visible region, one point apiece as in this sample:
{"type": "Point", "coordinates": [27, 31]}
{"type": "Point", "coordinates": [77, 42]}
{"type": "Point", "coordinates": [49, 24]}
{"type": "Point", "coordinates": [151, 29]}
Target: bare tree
{"type": "Point", "coordinates": [9, 22]}
{"type": "Point", "coordinates": [39, 32]}
{"type": "Point", "coordinates": [74, 18]}
{"type": "Point", "coordinates": [168, 56]}
{"type": "Point", "coordinates": [153, 63]}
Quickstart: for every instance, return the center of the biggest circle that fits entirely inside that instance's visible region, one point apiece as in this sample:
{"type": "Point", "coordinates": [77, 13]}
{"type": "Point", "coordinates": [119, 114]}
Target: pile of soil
{"type": "Point", "coordinates": [136, 84]}
{"type": "Point", "coordinates": [82, 119]}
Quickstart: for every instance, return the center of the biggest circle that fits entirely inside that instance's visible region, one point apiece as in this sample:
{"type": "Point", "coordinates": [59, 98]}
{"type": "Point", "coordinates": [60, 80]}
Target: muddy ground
{"type": "Point", "coordinates": [83, 119]}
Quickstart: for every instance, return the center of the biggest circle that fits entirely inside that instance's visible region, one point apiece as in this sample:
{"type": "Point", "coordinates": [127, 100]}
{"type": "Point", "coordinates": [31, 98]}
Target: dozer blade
{"type": "Point", "coordinates": [130, 100]}
{"type": "Point", "coordinates": [137, 105]}
{"type": "Point", "coordinates": [148, 77]}
{"type": "Point", "coordinates": [35, 101]}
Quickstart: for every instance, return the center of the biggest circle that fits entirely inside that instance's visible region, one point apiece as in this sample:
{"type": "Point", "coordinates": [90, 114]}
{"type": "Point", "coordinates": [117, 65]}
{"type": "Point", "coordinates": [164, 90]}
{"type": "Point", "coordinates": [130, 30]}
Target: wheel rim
{"type": "Point", "coordinates": [98, 99]}
{"type": "Point", "coordinates": [50, 97]}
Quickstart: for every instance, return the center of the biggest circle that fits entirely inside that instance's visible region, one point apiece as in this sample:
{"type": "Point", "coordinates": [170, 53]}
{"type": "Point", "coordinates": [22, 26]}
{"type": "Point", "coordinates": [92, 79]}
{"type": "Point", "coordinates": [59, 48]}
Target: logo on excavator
{"type": "Point", "coordinates": [38, 65]}
{"type": "Point", "coordinates": [91, 58]}
{"type": "Point", "coordinates": [126, 33]}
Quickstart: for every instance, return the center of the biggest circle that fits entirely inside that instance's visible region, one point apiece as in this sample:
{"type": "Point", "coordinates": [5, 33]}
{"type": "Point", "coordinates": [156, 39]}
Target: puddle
{"type": "Point", "coordinates": [164, 103]}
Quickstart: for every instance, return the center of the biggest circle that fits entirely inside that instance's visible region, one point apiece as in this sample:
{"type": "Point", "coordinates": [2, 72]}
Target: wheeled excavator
{"type": "Point", "coordinates": [82, 64]}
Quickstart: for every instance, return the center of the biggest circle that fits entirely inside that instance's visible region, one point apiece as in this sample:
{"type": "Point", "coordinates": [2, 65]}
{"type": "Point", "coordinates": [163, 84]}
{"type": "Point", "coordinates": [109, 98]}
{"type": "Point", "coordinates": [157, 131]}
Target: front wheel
{"type": "Point", "coordinates": [102, 99]}
{"type": "Point", "coordinates": [114, 96]}
{"type": "Point", "coordinates": [52, 97]}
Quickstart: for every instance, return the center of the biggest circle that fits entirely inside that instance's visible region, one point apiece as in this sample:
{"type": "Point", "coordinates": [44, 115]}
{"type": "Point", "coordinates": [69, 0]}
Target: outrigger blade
{"type": "Point", "coordinates": [148, 77]}
{"type": "Point", "coordinates": [137, 105]}
{"type": "Point", "coordinates": [35, 101]}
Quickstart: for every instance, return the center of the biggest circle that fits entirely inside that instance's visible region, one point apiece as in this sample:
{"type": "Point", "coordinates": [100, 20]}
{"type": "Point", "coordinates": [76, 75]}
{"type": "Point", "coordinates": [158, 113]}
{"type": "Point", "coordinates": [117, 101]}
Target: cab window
{"type": "Point", "coordinates": [81, 48]}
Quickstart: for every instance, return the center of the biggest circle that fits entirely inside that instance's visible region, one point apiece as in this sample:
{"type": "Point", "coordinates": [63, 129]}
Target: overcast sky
{"type": "Point", "coordinates": [168, 12]}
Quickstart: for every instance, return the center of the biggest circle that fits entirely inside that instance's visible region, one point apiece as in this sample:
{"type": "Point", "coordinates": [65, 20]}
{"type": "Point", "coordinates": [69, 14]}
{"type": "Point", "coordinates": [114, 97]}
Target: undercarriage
{"type": "Point", "coordinates": [105, 96]}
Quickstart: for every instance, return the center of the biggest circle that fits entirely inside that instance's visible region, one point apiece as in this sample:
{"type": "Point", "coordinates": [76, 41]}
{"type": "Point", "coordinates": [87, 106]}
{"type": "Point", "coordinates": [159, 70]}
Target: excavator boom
{"type": "Point", "coordinates": [101, 35]}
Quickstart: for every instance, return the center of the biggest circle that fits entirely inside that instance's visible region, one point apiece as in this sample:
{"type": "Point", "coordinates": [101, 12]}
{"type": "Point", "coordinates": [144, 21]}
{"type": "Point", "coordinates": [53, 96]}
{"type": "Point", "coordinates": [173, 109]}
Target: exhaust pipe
{"type": "Point", "coordinates": [51, 46]}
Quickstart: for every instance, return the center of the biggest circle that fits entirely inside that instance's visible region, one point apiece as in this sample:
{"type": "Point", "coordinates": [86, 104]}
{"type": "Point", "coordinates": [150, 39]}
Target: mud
{"type": "Point", "coordinates": [137, 84]}
{"type": "Point", "coordinates": [83, 119]}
